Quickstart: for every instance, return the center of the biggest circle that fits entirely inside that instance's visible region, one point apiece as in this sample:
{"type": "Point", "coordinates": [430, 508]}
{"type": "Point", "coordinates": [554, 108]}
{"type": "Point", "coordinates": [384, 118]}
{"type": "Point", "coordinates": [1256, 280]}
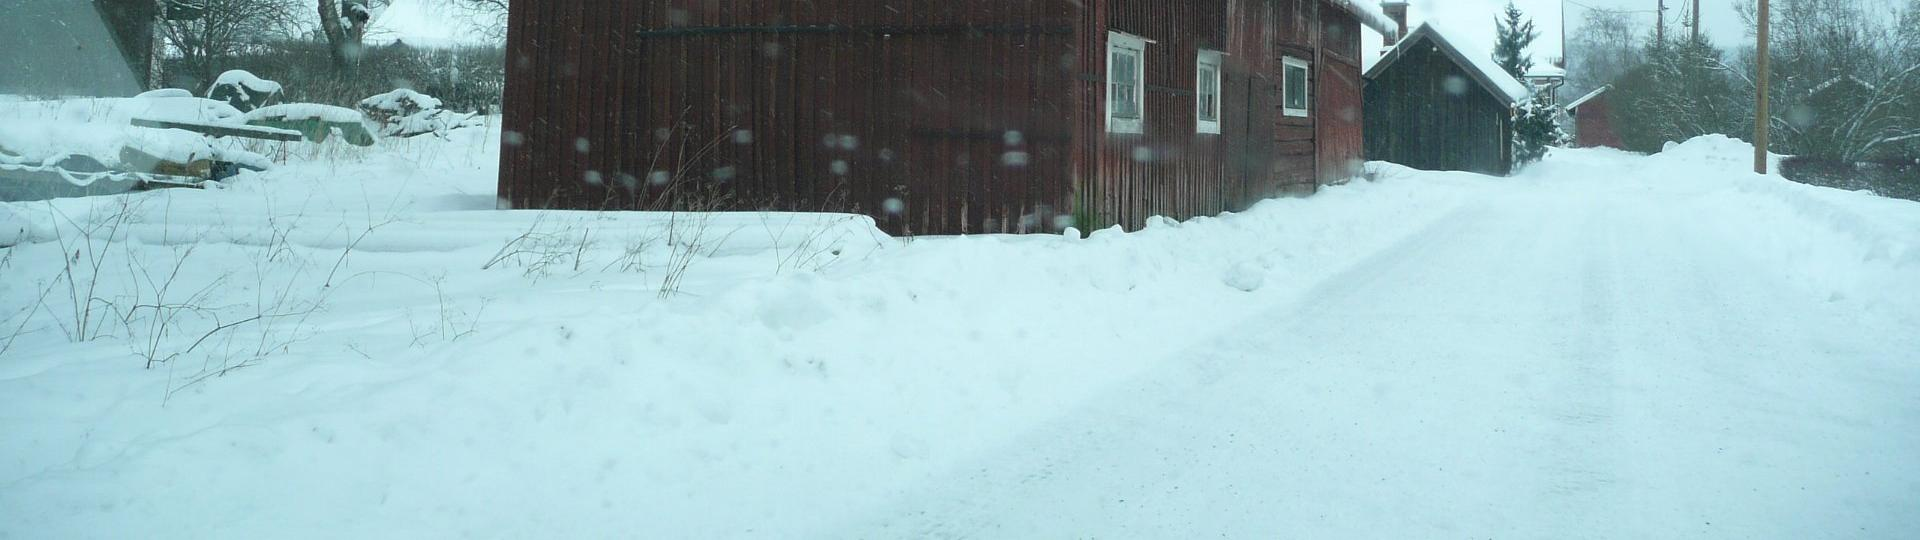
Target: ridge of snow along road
{"type": "Point", "coordinates": [777, 383]}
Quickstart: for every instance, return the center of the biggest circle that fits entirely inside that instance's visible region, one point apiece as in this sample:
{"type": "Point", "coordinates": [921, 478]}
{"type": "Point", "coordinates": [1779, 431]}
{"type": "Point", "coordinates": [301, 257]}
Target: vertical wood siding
{"type": "Point", "coordinates": [1425, 112]}
{"type": "Point", "coordinates": [933, 116]}
{"type": "Point", "coordinates": [1593, 124]}
{"type": "Point", "coordinates": [1337, 103]}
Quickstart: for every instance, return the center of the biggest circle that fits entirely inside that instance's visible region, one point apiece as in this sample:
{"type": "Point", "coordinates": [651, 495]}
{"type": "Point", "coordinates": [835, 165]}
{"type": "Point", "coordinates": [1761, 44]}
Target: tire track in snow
{"type": "Point", "coordinates": [1169, 388]}
{"type": "Point", "coordinates": [1581, 475]}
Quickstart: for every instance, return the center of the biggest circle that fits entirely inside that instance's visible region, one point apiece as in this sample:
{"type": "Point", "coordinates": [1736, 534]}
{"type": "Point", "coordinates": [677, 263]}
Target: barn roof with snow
{"type": "Point", "coordinates": [1481, 68]}
{"type": "Point", "coordinates": [1582, 100]}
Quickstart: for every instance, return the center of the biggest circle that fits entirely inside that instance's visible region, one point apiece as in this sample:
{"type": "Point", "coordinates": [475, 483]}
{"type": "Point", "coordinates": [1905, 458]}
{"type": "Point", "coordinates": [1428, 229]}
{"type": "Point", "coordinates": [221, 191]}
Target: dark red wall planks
{"type": "Point", "coordinates": [933, 116]}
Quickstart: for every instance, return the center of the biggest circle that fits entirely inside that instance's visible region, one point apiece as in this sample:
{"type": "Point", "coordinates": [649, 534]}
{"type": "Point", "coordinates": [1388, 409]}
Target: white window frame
{"type": "Point", "coordinates": [1207, 59]}
{"type": "Point", "coordinates": [1118, 43]}
{"type": "Point", "coordinates": [1285, 71]}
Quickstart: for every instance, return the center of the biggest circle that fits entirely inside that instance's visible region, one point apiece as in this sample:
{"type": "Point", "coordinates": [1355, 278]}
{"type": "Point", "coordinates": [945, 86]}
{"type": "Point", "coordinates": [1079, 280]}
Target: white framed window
{"type": "Point", "coordinates": [1296, 99]}
{"type": "Point", "coordinates": [1206, 92]}
{"type": "Point", "coordinates": [1126, 82]}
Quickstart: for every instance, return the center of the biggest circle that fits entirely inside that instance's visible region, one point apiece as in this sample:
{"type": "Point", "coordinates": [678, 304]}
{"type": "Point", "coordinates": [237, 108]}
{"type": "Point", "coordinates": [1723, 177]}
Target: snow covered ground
{"type": "Point", "coordinates": [356, 344]}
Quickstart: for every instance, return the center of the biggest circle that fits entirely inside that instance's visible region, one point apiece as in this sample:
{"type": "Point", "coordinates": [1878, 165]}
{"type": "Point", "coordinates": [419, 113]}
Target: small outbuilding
{"type": "Point", "coordinates": [1431, 106]}
{"type": "Point", "coordinates": [935, 117]}
{"type": "Point", "coordinates": [1593, 120]}
{"type": "Point", "coordinates": [82, 47]}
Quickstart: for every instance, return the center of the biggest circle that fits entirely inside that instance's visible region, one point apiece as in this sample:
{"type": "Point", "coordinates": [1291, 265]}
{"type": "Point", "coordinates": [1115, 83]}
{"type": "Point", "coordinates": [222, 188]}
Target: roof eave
{"type": "Point", "coordinates": [1452, 52]}
{"type": "Point", "coordinates": [1369, 15]}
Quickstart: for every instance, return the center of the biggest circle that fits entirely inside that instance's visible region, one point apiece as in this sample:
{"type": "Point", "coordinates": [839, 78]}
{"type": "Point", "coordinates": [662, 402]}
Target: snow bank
{"type": "Point", "coordinates": [800, 365]}
{"type": "Point", "coordinates": [1847, 246]}
{"type": "Point", "coordinates": [683, 376]}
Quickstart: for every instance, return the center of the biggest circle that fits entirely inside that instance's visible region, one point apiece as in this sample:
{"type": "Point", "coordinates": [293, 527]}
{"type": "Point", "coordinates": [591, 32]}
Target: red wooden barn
{"type": "Point", "coordinates": [1593, 120]}
{"type": "Point", "coordinates": [933, 116]}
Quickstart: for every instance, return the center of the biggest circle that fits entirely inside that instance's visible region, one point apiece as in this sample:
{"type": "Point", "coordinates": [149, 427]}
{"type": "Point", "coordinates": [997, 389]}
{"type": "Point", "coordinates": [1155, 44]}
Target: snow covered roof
{"type": "Point", "coordinates": [1582, 100]}
{"type": "Point", "coordinates": [1369, 14]}
{"type": "Point", "coordinates": [1480, 66]}
{"type": "Point", "coordinates": [1546, 70]}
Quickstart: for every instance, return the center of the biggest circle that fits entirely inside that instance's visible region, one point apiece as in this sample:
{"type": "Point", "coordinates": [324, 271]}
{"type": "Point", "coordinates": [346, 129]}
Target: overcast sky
{"type": "Point", "coordinates": [425, 22]}
{"type": "Point", "coordinates": [428, 22]}
{"type": "Point", "coordinates": [1465, 16]}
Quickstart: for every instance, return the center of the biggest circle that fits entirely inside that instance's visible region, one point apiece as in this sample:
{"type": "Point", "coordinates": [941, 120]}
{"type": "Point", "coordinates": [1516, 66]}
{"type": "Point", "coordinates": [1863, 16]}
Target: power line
{"type": "Point", "coordinates": [1612, 10]}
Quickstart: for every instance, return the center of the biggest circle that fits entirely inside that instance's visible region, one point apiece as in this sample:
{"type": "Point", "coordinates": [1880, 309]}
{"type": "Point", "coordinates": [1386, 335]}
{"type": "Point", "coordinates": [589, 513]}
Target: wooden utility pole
{"type": "Point", "coordinates": [1660, 23]}
{"type": "Point", "coordinates": [1696, 22]}
{"type": "Point", "coordinates": [1760, 116]}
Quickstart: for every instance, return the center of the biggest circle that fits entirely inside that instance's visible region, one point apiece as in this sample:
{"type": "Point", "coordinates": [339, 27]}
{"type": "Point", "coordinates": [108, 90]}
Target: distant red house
{"type": "Point", "coordinates": [1593, 120]}
{"type": "Point", "coordinates": [933, 116]}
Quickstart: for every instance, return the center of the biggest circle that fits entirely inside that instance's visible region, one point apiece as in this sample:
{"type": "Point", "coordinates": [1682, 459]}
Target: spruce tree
{"type": "Point", "coordinates": [1535, 130]}
{"type": "Point", "coordinates": [1510, 51]}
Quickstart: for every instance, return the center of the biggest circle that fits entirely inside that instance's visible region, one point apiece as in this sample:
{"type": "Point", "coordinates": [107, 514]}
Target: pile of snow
{"type": "Point", "coordinates": [243, 90]}
{"type": "Point", "coordinates": [407, 113]}
{"type": "Point", "coordinates": [243, 79]}
{"type": "Point", "coordinates": [400, 102]}
{"type": "Point", "coordinates": [1847, 245]}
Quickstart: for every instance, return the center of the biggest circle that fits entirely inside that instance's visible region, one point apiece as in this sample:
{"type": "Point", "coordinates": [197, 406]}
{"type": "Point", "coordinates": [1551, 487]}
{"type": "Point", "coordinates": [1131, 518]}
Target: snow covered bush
{"type": "Point", "coordinates": [407, 113]}
{"type": "Point", "coordinates": [243, 90]}
{"type": "Point", "coordinates": [1535, 129]}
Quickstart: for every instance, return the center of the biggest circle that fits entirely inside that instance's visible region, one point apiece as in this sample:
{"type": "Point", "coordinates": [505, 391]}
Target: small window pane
{"type": "Point", "coordinates": [1209, 93]}
{"type": "Point", "coordinates": [1296, 87]}
{"type": "Point", "coordinates": [1126, 93]}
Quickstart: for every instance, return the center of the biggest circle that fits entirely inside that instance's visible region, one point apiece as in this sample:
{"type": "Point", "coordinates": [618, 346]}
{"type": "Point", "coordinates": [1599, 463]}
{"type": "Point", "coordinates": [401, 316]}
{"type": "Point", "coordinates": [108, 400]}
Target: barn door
{"type": "Point", "coordinates": [1337, 119]}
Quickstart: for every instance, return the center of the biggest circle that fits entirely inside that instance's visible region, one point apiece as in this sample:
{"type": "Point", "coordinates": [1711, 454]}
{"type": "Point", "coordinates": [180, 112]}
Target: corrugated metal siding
{"type": "Point", "coordinates": [963, 117]}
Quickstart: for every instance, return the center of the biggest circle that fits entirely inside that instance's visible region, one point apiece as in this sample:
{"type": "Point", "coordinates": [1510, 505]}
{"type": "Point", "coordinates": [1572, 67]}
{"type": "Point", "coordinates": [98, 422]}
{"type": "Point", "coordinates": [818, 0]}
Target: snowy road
{"type": "Point", "coordinates": [1605, 346]}
{"type": "Point", "coordinates": [1599, 362]}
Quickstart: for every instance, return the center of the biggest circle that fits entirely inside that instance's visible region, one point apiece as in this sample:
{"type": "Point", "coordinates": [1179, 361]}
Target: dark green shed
{"type": "Point", "coordinates": [1431, 106]}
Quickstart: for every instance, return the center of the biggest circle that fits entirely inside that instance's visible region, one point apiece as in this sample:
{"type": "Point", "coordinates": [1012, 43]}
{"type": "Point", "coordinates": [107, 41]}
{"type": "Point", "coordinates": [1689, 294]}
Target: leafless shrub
{"type": "Point", "coordinates": [633, 253]}
{"type": "Point", "coordinates": [25, 314]}
{"type": "Point", "coordinates": [537, 251]}
{"type": "Point", "coordinates": [453, 324]}
{"type": "Point", "coordinates": [163, 309]}
{"type": "Point", "coordinates": [810, 253]}
{"type": "Point", "coordinates": [82, 270]}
